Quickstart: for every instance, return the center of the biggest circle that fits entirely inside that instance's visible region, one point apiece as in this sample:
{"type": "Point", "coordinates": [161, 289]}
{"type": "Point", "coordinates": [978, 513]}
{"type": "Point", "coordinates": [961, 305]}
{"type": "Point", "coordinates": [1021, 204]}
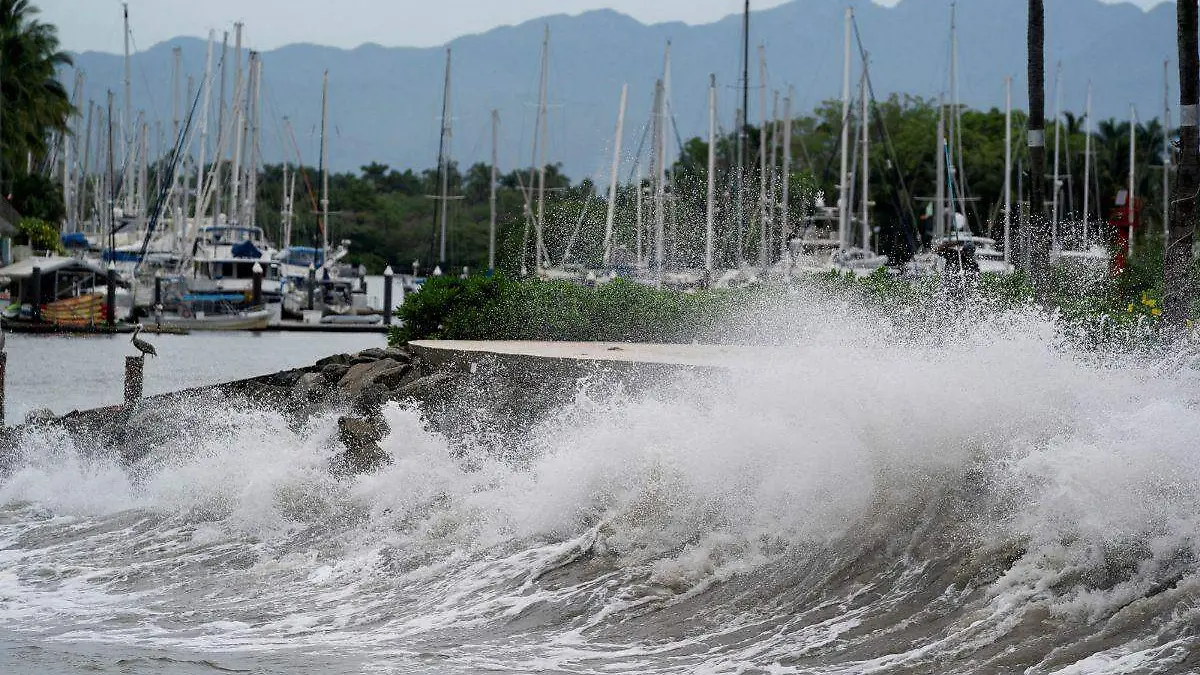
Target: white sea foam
{"type": "Point", "coordinates": [762, 517]}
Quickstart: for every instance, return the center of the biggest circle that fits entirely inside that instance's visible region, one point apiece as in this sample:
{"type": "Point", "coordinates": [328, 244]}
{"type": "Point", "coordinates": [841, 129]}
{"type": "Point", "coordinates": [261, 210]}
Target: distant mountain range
{"type": "Point", "coordinates": [385, 102]}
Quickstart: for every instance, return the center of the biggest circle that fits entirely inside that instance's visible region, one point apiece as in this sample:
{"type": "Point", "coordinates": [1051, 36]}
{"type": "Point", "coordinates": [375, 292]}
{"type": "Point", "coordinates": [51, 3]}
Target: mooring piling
{"type": "Point", "coordinates": [35, 281]}
{"type": "Point", "coordinates": [3, 367]}
{"type": "Point", "coordinates": [256, 289]}
{"type": "Point", "coordinates": [388, 274]}
{"type": "Point", "coordinates": [312, 284]}
{"type": "Point", "coordinates": [134, 378]}
{"type": "Point", "coordinates": [111, 305]}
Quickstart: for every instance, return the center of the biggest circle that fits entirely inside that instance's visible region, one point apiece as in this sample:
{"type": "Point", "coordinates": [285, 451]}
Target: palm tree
{"type": "Point", "coordinates": [34, 102]}
{"type": "Point", "coordinates": [1038, 238]}
{"type": "Point", "coordinates": [1177, 259]}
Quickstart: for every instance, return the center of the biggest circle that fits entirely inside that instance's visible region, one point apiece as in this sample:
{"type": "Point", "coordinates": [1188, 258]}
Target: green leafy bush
{"type": "Point", "coordinates": [39, 234]}
{"type": "Point", "coordinates": [501, 308]}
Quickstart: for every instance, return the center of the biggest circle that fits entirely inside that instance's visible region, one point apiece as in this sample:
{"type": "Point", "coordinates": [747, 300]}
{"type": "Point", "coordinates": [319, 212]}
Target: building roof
{"type": "Point", "coordinates": [50, 265]}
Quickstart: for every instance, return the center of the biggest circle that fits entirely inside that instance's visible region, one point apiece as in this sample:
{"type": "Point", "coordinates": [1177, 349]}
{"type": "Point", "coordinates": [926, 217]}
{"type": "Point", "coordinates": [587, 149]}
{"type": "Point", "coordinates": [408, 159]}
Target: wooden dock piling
{"type": "Point", "coordinates": [134, 378]}
{"type": "Point", "coordinates": [3, 367]}
{"type": "Point", "coordinates": [388, 275]}
{"type": "Point", "coordinates": [111, 304]}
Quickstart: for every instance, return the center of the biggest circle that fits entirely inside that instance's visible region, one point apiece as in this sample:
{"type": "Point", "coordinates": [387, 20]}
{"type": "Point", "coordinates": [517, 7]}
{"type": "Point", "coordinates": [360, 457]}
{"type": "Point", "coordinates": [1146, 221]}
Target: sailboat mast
{"type": "Point", "coordinates": [252, 167]}
{"type": "Point", "coordinates": [764, 216]}
{"type": "Point", "coordinates": [1087, 163]}
{"type": "Point", "coordinates": [1132, 170]}
{"type": "Point", "coordinates": [709, 215]}
{"type": "Point", "coordinates": [235, 170]}
{"type": "Point", "coordinates": [218, 158]}
{"type": "Point", "coordinates": [203, 130]}
{"type": "Point", "coordinates": [445, 162]}
{"type": "Point", "coordinates": [1008, 170]}
{"type": "Point", "coordinates": [866, 157]}
{"type": "Point", "coordinates": [939, 212]}
{"type": "Point", "coordinates": [324, 168]}
{"type": "Point", "coordinates": [492, 192]}
{"type": "Point", "coordinates": [641, 259]}
{"type": "Point", "coordinates": [1056, 181]}
{"type": "Point", "coordinates": [743, 124]}
{"type": "Point", "coordinates": [284, 211]}
{"type": "Point", "coordinates": [540, 253]}
{"type": "Point", "coordinates": [786, 175]}
{"type": "Point", "coordinates": [659, 187]}
{"type": "Point", "coordinates": [844, 175]}
{"type": "Point", "coordinates": [176, 65]}
{"type": "Point", "coordinates": [127, 126]}
{"type": "Point", "coordinates": [1166, 185]}
{"type": "Point", "coordinates": [612, 182]}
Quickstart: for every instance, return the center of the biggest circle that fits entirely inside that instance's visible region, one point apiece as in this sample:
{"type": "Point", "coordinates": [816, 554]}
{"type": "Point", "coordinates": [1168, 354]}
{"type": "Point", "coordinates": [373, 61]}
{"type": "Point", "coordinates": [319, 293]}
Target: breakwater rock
{"type": "Point", "coordinates": [478, 397]}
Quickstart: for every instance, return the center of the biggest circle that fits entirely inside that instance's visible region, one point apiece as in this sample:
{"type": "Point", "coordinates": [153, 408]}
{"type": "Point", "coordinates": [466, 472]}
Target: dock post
{"type": "Point", "coordinates": [388, 274]}
{"type": "Point", "coordinates": [3, 367]}
{"type": "Point", "coordinates": [158, 283]}
{"type": "Point", "coordinates": [133, 378]}
{"type": "Point", "coordinates": [35, 283]}
{"type": "Point", "coordinates": [256, 289]}
{"type": "Point", "coordinates": [111, 305]}
{"type": "Point", "coordinates": [312, 284]}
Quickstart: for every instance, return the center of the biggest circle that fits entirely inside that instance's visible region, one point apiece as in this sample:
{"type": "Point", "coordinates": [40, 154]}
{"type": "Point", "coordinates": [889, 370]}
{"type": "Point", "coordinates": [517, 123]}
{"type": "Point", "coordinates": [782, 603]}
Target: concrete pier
{"type": "Point", "coordinates": [618, 354]}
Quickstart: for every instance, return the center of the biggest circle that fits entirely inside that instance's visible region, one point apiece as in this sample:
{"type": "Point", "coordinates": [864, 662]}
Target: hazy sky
{"type": "Point", "coordinates": [96, 24]}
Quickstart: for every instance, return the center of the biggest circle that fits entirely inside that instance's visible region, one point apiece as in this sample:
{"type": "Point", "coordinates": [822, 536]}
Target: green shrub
{"type": "Point", "coordinates": [501, 308]}
{"type": "Point", "coordinates": [40, 235]}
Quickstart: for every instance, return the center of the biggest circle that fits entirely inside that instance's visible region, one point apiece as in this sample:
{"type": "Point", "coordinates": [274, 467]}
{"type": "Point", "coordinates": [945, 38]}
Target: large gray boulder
{"type": "Point", "coordinates": [362, 375]}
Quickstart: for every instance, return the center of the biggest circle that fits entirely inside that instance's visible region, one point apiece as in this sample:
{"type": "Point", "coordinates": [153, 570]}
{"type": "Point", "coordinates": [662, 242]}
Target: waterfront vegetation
{"type": "Point", "coordinates": [1124, 310]}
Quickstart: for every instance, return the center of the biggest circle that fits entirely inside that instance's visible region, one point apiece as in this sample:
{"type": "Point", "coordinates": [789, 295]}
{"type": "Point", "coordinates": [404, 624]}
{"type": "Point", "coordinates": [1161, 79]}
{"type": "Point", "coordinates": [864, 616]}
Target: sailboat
{"type": "Point", "coordinates": [1090, 259]}
{"type": "Point", "coordinates": [860, 259]}
{"type": "Point", "coordinates": [954, 246]}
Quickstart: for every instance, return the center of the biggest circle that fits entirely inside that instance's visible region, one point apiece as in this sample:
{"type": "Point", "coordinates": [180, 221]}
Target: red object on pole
{"type": "Point", "coordinates": [1122, 228]}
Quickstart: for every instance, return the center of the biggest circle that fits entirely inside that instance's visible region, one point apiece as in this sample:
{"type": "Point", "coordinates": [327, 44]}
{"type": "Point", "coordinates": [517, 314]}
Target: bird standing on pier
{"type": "Point", "coordinates": [142, 346]}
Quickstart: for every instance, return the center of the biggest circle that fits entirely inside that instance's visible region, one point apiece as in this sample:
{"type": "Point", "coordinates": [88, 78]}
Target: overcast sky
{"type": "Point", "coordinates": [96, 24]}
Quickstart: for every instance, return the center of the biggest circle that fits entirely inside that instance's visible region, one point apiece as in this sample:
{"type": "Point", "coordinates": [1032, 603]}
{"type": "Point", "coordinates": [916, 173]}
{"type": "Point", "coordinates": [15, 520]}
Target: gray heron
{"type": "Point", "coordinates": [142, 346]}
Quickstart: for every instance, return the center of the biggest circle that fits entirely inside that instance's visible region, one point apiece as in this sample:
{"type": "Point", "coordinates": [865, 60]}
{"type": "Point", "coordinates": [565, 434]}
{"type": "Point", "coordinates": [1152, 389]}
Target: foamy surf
{"type": "Point", "coordinates": [962, 496]}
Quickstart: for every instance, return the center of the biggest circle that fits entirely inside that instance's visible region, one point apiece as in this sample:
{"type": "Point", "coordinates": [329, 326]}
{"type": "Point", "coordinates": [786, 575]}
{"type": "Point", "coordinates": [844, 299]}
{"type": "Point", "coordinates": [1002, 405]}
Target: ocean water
{"type": "Point", "coordinates": [66, 372]}
{"type": "Point", "coordinates": [963, 496]}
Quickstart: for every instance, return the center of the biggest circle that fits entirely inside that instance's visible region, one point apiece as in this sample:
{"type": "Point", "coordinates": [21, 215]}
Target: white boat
{"type": "Point", "coordinates": [250, 319]}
